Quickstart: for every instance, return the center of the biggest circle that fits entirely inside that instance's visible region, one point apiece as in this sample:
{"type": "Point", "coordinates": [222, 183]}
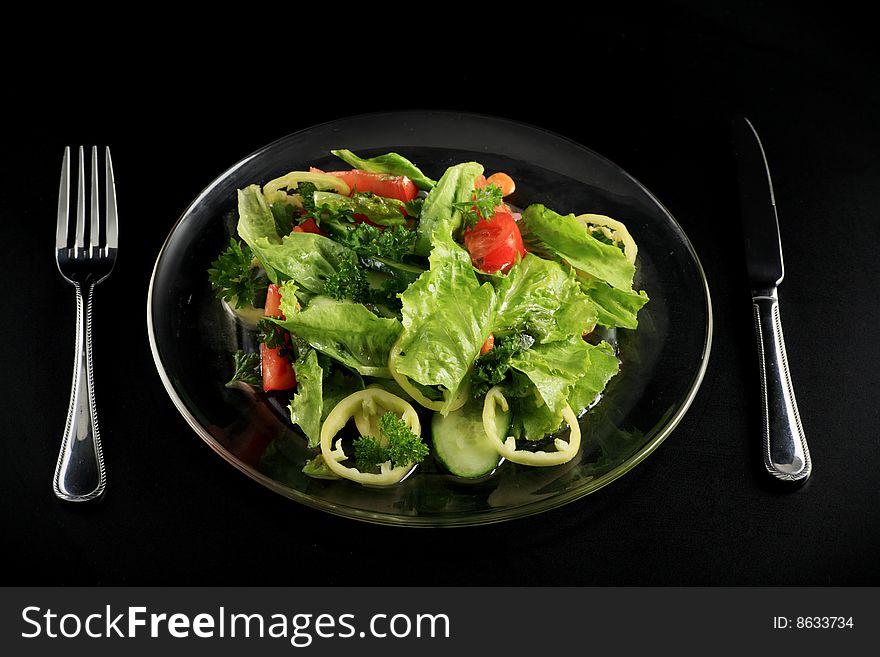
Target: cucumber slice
{"type": "Point", "coordinates": [461, 443]}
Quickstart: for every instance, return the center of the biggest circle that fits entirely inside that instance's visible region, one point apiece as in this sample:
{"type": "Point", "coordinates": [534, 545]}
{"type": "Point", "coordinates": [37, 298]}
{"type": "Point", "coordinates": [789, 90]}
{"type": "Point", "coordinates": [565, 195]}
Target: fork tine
{"type": "Point", "coordinates": [110, 185]}
{"type": "Point", "coordinates": [81, 203]}
{"type": "Point", "coordinates": [61, 228]}
{"type": "Point", "coordinates": [95, 214]}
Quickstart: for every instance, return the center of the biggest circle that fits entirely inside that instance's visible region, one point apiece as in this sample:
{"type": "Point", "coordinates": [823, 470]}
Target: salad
{"type": "Point", "coordinates": [406, 318]}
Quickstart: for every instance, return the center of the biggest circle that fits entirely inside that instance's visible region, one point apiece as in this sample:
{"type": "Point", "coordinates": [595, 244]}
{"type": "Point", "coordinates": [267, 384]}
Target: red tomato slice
{"type": "Point", "coordinates": [278, 373]}
{"type": "Point", "coordinates": [382, 184]}
{"type": "Point", "coordinates": [496, 244]}
{"type": "Point", "coordinates": [309, 226]}
{"type": "Point", "coordinates": [273, 302]}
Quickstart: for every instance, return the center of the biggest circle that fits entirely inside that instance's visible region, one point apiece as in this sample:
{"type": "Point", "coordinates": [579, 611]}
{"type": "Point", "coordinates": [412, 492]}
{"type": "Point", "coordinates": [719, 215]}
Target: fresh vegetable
{"type": "Point", "coordinates": [554, 368]}
{"type": "Point", "coordinates": [461, 443]}
{"type": "Point", "coordinates": [278, 373]}
{"type": "Point", "coordinates": [307, 258]}
{"type": "Point", "coordinates": [369, 241]}
{"type": "Point", "coordinates": [247, 369]}
{"type": "Point", "coordinates": [234, 277]}
{"type": "Point", "coordinates": [503, 181]}
{"type": "Point", "coordinates": [494, 244]}
{"type": "Point", "coordinates": [564, 237]}
{"type": "Point", "coordinates": [614, 307]}
{"type": "Point", "coordinates": [321, 384]}
{"type": "Point", "coordinates": [564, 451]}
{"type": "Point", "coordinates": [396, 443]}
{"type": "Point", "coordinates": [378, 209]}
{"type": "Point", "coordinates": [446, 317]}
{"type": "Point", "coordinates": [307, 404]}
{"type": "Point", "coordinates": [610, 231]}
{"type": "Point", "coordinates": [365, 406]}
{"type": "Point", "coordinates": [491, 366]}
{"type": "Point", "coordinates": [348, 282]}
{"type": "Point", "coordinates": [396, 188]}
{"type": "Point", "coordinates": [276, 190]}
{"type": "Point", "coordinates": [483, 204]}
{"type": "Point", "coordinates": [348, 332]}
{"type": "Point", "coordinates": [390, 163]}
{"type": "Point", "coordinates": [544, 299]}
{"type": "Point", "coordinates": [380, 301]}
{"type": "Point", "coordinates": [309, 226]}
{"type": "Point", "coordinates": [440, 213]}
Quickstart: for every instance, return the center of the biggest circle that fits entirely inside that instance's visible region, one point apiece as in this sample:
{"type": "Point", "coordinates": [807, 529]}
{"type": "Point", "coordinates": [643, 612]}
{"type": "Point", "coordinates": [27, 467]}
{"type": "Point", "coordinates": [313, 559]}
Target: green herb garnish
{"type": "Point", "coordinates": [483, 205]}
{"type": "Point", "coordinates": [401, 446]}
{"type": "Point", "coordinates": [491, 368]}
{"type": "Point", "coordinates": [370, 241]}
{"type": "Point", "coordinates": [348, 282]}
{"type": "Point", "coordinates": [234, 278]}
{"type": "Point", "coordinates": [247, 369]}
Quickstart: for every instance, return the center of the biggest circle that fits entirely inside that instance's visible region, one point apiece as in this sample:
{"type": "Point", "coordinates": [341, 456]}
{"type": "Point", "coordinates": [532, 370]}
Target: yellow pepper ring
{"type": "Point", "coordinates": [321, 181]}
{"type": "Point", "coordinates": [372, 401]}
{"type": "Point", "coordinates": [566, 451]}
{"type": "Point", "coordinates": [618, 232]}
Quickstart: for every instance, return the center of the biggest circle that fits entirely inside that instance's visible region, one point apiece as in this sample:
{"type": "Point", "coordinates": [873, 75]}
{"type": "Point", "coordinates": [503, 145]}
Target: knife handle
{"type": "Point", "coordinates": [786, 455]}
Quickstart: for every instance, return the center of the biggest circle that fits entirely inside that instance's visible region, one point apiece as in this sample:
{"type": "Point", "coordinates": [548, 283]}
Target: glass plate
{"type": "Point", "coordinates": [192, 335]}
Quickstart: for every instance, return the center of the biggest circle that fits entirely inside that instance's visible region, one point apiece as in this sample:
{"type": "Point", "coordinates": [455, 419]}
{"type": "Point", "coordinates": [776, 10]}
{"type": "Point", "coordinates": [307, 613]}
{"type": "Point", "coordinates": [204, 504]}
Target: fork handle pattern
{"type": "Point", "coordinates": [79, 473]}
{"type": "Point", "coordinates": [786, 455]}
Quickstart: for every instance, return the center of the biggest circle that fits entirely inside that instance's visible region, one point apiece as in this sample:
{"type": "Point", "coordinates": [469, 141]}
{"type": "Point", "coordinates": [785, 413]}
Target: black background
{"type": "Point", "coordinates": [653, 90]}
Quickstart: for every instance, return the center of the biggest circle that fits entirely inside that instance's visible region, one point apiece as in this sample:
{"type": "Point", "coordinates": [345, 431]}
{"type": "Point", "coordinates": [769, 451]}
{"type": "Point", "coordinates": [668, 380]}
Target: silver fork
{"type": "Point", "coordinates": [80, 475]}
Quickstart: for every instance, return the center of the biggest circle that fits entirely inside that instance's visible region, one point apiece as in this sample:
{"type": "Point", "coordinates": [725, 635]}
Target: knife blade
{"type": "Point", "coordinates": [784, 444]}
{"type": "Point", "coordinates": [757, 209]}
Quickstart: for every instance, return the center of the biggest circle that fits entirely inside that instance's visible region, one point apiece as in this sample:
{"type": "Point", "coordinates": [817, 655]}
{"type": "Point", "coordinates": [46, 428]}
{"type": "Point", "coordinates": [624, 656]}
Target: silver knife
{"type": "Point", "coordinates": [786, 455]}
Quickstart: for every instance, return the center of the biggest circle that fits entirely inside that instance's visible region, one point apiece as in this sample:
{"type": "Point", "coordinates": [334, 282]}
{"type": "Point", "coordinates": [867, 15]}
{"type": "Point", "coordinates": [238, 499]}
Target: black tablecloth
{"type": "Point", "coordinates": [654, 92]}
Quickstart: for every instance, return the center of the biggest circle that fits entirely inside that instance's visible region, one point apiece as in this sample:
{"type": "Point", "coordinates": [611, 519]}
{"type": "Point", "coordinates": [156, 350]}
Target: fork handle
{"type": "Point", "coordinates": [79, 473]}
{"type": "Point", "coordinates": [786, 455]}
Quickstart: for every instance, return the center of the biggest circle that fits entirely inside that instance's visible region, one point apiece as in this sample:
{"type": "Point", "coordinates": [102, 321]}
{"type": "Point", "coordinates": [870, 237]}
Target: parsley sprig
{"type": "Point", "coordinates": [234, 278]}
{"type": "Point", "coordinates": [485, 200]}
{"type": "Point", "coordinates": [348, 282]}
{"type": "Point", "coordinates": [402, 446]}
{"type": "Point", "coordinates": [491, 368]}
{"type": "Point", "coordinates": [369, 241]}
{"type": "Point", "coordinates": [247, 369]}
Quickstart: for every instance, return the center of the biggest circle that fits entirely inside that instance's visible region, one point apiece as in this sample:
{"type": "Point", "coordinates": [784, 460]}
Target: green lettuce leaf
{"type": "Point", "coordinates": [536, 417]}
{"type": "Point", "coordinates": [541, 298]}
{"type": "Point", "coordinates": [347, 332]}
{"type": "Point", "coordinates": [289, 298]}
{"type": "Point", "coordinates": [439, 213]}
{"type": "Point", "coordinates": [546, 232]}
{"type": "Point", "coordinates": [307, 258]}
{"type": "Point", "coordinates": [255, 219]}
{"type": "Point", "coordinates": [554, 368]}
{"type": "Point", "coordinates": [308, 402]}
{"type": "Point", "coordinates": [390, 163]}
{"type": "Point", "coordinates": [532, 418]}
{"type": "Point", "coordinates": [614, 307]}
{"type": "Point", "coordinates": [603, 366]}
{"type": "Point", "coordinates": [318, 392]}
{"type": "Point", "coordinates": [447, 314]}
{"type": "Point", "coordinates": [378, 209]}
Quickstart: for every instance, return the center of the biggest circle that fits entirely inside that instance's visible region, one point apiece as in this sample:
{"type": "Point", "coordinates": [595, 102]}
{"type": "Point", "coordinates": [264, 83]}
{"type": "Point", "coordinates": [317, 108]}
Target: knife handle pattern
{"type": "Point", "coordinates": [786, 455]}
